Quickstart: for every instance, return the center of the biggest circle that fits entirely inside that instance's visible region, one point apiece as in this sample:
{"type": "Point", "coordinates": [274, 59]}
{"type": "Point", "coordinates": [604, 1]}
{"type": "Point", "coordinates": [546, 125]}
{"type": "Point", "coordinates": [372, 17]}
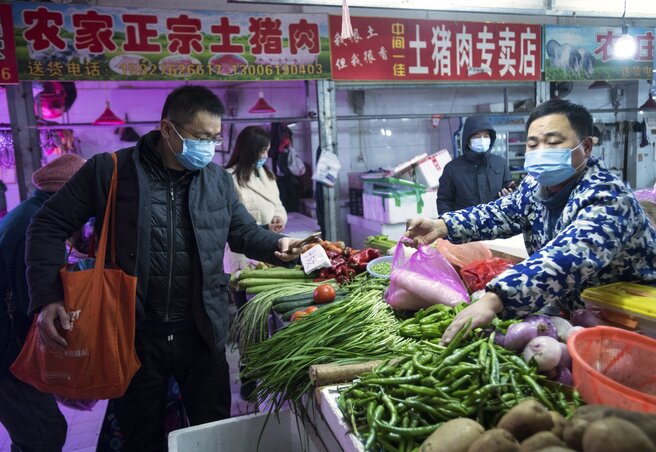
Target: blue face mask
{"type": "Point", "coordinates": [196, 154]}
{"type": "Point", "coordinates": [260, 163]}
{"type": "Point", "coordinates": [551, 166]}
{"type": "Point", "coordinates": [480, 145]}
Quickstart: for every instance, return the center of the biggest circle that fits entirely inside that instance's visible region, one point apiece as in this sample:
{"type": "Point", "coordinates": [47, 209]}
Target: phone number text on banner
{"type": "Point", "coordinates": [430, 50]}
{"type": "Point", "coordinates": [8, 72]}
{"type": "Point", "coordinates": [77, 42]}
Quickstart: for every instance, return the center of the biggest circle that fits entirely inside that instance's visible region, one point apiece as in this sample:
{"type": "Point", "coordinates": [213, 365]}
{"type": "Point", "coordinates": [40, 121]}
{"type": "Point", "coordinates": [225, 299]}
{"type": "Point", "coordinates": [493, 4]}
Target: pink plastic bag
{"type": "Point", "coordinates": [422, 280]}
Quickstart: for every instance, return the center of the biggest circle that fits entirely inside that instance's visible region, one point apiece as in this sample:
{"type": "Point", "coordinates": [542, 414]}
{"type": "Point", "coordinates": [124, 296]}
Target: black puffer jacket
{"type": "Point", "coordinates": [472, 178]}
{"type": "Point", "coordinates": [215, 212]}
{"type": "Point", "coordinates": [173, 246]}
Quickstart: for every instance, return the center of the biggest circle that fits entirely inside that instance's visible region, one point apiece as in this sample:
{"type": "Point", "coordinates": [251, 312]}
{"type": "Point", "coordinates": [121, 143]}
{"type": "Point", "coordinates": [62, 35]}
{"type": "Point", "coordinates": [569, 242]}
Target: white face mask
{"type": "Point", "coordinates": [480, 145]}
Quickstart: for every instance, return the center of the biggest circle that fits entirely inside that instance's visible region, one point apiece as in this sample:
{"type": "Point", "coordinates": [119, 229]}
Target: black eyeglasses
{"type": "Point", "coordinates": [216, 139]}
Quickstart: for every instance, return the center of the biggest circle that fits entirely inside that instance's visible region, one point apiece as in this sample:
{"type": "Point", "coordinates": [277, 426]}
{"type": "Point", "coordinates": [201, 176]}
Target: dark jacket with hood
{"type": "Point", "coordinates": [472, 178]}
{"type": "Point", "coordinates": [198, 212]}
{"type": "Point", "coordinates": [14, 300]}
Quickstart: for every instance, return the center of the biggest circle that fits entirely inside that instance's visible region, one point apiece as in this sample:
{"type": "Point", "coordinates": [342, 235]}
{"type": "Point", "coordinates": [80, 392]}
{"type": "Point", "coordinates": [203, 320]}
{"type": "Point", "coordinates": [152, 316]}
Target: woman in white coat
{"type": "Point", "coordinates": [255, 185]}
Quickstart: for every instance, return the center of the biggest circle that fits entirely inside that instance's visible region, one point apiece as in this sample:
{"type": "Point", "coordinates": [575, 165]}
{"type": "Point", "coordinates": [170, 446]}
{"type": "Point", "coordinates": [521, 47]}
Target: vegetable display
{"type": "Point", "coordinates": [360, 327]}
{"type": "Point", "coordinates": [401, 403]}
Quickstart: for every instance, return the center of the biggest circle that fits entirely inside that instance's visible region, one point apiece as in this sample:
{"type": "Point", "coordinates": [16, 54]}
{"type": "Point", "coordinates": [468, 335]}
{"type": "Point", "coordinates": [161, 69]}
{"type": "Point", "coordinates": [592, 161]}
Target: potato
{"type": "Point", "coordinates": [645, 422]}
{"type": "Point", "coordinates": [573, 433]}
{"type": "Point", "coordinates": [540, 440]}
{"type": "Point", "coordinates": [558, 424]}
{"type": "Point", "coordinates": [495, 440]}
{"type": "Point", "coordinates": [556, 449]}
{"type": "Point", "coordinates": [455, 435]}
{"type": "Point", "coordinates": [615, 435]}
{"type": "Point", "coordinates": [526, 419]}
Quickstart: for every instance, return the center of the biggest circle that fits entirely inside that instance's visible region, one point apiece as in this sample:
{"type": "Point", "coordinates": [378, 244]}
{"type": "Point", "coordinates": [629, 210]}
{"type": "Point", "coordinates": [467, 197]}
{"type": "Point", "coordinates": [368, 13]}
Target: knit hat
{"type": "Point", "coordinates": [55, 174]}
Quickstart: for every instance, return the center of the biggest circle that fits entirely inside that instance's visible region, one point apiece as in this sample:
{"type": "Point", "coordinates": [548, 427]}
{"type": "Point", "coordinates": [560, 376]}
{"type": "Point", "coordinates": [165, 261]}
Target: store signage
{"type": "Point", "coordinates": [8, 71]}
{"type": "Point", "coordinates": [587, 53]}
{"type": "Point", "coordinates": [432, 50]}
{"type": "Point", "coordinates": [78, 42]}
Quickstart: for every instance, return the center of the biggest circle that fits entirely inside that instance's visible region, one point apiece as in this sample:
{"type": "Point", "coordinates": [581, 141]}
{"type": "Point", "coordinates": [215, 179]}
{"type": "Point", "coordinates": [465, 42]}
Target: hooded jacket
{"type": "Point", "coordinates": [216, 217]}
{"type": "Point", "coordinates": [472, 178]}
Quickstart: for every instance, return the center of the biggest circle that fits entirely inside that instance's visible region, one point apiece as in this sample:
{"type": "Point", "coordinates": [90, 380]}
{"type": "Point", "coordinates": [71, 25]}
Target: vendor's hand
{"type": "Point", "coordinates": [481, 313]}
{"type": "Point", "coordinates": [507, 189]}
{"type": "Point", "coordinates": [52, 316]}
{"type": "Point", "coordinates": [276, 224]}
{"type": "Point", "coordinates": [289, 249]}
{"type": "Point", "coordinates": [424, 231]}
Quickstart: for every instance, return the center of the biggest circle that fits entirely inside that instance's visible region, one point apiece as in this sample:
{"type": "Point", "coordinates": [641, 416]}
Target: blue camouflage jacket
{"type": "Point", "coordinates": [602, 236]}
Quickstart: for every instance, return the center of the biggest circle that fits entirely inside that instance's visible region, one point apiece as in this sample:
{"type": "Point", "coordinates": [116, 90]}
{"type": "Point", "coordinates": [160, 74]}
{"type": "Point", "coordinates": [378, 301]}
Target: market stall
{"type": "Point", "coordinates": [361, 366]}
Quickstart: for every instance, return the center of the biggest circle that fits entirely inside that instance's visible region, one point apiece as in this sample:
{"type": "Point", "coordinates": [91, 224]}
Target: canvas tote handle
{"type": "Point", "coordinates": [110, 209]}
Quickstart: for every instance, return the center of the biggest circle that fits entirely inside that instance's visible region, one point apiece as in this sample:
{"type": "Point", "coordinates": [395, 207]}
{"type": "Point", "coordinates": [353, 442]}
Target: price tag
{"type": "Point", "coordinates": [314, 259]}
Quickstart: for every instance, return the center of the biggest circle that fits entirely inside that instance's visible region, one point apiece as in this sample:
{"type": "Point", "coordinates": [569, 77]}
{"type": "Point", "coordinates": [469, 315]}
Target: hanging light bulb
{"type": "Point", "coordinates": [262, 106]}
{"type": "Point", "coordinates": [108, 117]}
{"type": "Point", "coordinates": [625, 45]}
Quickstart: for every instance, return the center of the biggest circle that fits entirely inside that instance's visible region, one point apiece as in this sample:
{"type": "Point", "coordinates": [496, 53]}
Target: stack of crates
{"type": "Point", "coordinates": [391, 200]}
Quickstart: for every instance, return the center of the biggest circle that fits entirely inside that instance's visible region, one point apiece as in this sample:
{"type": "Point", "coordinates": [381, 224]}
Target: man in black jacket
{"type": "Point", "coordinates": [31, 417]}
{"type": "Point", "coordinates": [175, 212]}
{"type": "Point", "coordinates": [477, 176]}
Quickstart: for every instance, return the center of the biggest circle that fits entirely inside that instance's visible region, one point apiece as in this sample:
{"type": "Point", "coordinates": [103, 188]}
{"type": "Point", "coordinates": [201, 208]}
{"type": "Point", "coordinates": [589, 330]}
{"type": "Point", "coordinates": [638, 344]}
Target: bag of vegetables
{"type": "Point", "coordinates": [422, 280]}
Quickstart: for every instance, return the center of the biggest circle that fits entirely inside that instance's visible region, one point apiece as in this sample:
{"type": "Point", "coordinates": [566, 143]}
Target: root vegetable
{"type": "Point", "coordinates": [645, 422]}
{"type": "Point", "coordinates": [455, 435]}
{"type": "Point", "coordinates": [615, 435]}
{"type": "Point", "coordinates": [558, 424]}
{"type": "Point", "coordinates": [497, 440]}
{"type": "Point", "coordinates": [526, 419]}
{"type": "Point", "coordinates": [573, 433]}
{"type": "Point", "coordinates": [545, 350]}
{"type": "Point", "coordinates": [556, 449]}
{"type": "Point", "coordinates": [540, 440]}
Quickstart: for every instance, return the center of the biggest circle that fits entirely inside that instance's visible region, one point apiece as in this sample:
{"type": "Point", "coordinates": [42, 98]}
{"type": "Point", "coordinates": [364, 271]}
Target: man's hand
{"type": "Point", "coordinates": [509, 188]}
{"type": "Point", "coordinates": [276, 224]}
{"type": "Point", "coordinates": [289, 249]}
{"type": "Point", "coordinates": [481, 313]}
{"type": "Point", "coordinates": [50, 317]}
{"type": "Point", "coordinates": [424, 231]}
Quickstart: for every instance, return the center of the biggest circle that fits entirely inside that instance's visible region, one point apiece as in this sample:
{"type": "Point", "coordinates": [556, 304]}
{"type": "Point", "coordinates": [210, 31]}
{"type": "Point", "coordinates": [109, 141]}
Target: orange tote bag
{"type": "Point", "coordinates": [100, 359]}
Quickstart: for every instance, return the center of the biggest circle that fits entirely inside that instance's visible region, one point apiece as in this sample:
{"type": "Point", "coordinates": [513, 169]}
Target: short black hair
{"type": "Point", "coordinates": [579, 117]}
{"type": "Point", "coordinates": [183, 103]}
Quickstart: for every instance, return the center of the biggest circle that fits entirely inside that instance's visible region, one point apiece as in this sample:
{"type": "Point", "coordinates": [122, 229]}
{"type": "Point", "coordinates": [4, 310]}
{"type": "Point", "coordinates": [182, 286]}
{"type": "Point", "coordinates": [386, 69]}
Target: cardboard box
{"type": "Point", "coordinates": [430, 169]}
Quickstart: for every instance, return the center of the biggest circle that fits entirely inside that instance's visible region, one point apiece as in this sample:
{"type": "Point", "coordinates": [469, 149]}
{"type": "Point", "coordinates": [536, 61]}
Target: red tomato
{"type": "Point", "coordinates": [325, 293]}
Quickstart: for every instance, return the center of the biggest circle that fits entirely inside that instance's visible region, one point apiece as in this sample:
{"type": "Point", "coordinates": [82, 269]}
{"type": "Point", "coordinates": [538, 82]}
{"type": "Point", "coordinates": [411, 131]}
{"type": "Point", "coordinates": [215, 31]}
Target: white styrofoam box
{"type": "Point", "coordinates": [283, 433]}
{"type": "Point", "coordinates": [385, 210]}
{"type": "Point", "coordinates": [495, 107]}
{"type": "Point", "coordinates": [430, 169]}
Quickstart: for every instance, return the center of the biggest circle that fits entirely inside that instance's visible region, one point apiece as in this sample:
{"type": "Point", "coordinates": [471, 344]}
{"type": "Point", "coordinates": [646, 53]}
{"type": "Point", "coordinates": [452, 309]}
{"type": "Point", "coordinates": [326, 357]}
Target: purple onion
{"type": "Point", "coordinates": [565, 359]}
{"type": "Point", "coordinates": [562, 326]}
{"type": "Point", "coordinates": [545, 327]}
{"type": "Point", "coordinates": [519, 334]}
{"type": "Point", "coordinates": [499, 338]}
{"type": "Point", "coordinates": [544, 350]}
{"type": "Point", "coordinates": [565, 377]}
{"type": "Point", "coordinates": [586, 318]}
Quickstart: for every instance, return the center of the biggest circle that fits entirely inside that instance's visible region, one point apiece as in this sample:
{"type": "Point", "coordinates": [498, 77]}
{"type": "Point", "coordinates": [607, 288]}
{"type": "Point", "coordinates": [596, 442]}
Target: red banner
{"type": "Point", "coordinates": [432, 50]}
{"type": "Point", "coordinates": [8, 71]}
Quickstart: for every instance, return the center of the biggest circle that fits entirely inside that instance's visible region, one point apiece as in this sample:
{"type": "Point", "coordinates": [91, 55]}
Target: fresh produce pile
{"type": "Point", "coordinates": [345, 262]}
{"type": "Point", "coordinates": [360, 327]}
{"type": "Point", "coordinates": [529, 426]}
{"type": "Point", "coordinates": [260, 280]}
{"type": "Point", "coordinates": [399, 404]}
{"type": "Point", "coordinates": [293, 307]}
{"type": "Point", "coordinates": [380, 242]}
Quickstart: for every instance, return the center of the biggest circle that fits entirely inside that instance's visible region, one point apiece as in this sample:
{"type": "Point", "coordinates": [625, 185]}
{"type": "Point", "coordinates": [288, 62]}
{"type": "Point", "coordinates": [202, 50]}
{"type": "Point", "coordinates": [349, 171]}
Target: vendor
{"type": "Point", "coordinates": [582, 225]}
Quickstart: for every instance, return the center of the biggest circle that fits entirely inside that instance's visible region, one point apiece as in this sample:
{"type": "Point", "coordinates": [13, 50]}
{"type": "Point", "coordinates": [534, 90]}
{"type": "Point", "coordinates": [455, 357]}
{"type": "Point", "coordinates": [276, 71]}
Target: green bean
{"type": "Point", "coordinates": [411, 432]}
{"type": "Point", "coordinates": [539, 392]}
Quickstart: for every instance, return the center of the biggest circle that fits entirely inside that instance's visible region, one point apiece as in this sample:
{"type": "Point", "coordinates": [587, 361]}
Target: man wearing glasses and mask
{"type": "Point", "coordinates": [175, 212]}
{"type": "Point", "coordinates": [582, 225]}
